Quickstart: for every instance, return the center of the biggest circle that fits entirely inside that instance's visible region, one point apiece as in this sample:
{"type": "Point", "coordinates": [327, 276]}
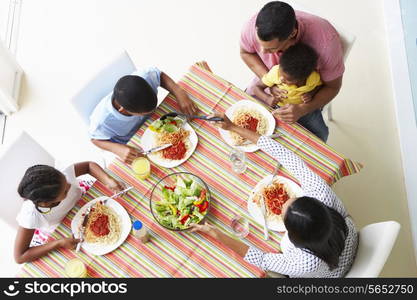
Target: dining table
{"type": "Point", "coordinates": [185, 253]}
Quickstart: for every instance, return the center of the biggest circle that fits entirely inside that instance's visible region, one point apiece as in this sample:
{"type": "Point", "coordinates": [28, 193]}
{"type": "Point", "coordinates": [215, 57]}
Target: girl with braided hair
{"type": "Point", "coordinates": [48, 196]}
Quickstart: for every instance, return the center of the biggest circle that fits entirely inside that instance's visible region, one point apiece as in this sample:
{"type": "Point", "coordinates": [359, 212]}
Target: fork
{"type": "Point", "coordinates": [274, 173]}
{"type": "Point", "coordinates": [118, 194]}
{"type": "Point", "coordinates": [177, 114]}
{"type": "Point", "coordinates": [263, 210]}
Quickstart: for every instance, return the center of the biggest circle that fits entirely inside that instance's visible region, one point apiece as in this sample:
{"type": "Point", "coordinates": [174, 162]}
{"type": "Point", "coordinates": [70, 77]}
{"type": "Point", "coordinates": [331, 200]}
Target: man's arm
{"type": "Point", "coordinates": [292, 113]}
{"type": "Point", "coordinates": [254, 62]}
{"type": "Point", "coordinates": [125, 152]}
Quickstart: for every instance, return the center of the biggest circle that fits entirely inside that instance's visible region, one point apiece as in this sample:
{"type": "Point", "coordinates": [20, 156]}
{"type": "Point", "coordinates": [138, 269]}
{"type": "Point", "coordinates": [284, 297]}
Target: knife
{"type": "Point", "coordinates": [83, 225]}
{"type": "Point", "coordinates": [263, 210]}
{"type": "Point", "coordinates": [155, 149]}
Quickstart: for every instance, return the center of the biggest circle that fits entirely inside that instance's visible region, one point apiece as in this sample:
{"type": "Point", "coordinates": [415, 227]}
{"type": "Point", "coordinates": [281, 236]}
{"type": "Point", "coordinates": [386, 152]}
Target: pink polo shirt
{"type": "Point", "coordinates": [313, 31]}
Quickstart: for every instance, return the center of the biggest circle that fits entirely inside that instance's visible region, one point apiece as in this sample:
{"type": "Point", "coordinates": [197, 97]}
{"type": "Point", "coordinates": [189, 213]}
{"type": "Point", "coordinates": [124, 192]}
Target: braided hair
{"type": "Point", "coordinates": [41, 183]}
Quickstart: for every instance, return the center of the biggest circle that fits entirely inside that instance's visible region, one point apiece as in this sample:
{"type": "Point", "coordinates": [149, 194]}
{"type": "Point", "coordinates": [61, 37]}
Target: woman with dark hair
{"type": "Point", "coordinates": [321, 239]}
{"type": "Point", "coordinates": [49, 194]}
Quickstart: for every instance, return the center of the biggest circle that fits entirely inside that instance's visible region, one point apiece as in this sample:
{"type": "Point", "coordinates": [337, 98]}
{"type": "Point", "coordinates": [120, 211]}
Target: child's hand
{"type": "Point", "coordinates": [114, 185]}
{"type": "Point", "coordinates": [271, 100]}
{"type": "Point", "coordinates": [187, 106]}
{"type": "Point", "coordinates": [278, 93]}
{"type": "Point", "coordinates": [127, 153]}
{"type": "Point", "coordinates": [68, 243]}
{"type": "Point", "coordinates": [306, 97]}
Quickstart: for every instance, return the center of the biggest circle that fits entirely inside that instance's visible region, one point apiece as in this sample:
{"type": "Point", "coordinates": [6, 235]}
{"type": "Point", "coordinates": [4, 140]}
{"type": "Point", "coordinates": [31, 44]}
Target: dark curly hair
{"type": "Point", "coordinates": [135, 94]}
{"type": "Point", "coordinates": [276, 20]}
{"type": "Point", "coordinates": [298, 61]}
{"type": "Point", "coordinates": [41, 183]}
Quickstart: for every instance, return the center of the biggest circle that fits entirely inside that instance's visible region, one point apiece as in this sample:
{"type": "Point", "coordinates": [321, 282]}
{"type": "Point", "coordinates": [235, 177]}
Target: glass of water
{"type": "Point", "coordinates": [240, 226]}
{"type": "Point", "coordinates": [238, 159]}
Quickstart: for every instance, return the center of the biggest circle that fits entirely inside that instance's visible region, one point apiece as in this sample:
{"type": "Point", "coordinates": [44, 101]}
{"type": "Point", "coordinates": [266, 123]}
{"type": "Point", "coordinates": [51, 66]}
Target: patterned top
{"type": "Point", "coordinates": [293, 261]}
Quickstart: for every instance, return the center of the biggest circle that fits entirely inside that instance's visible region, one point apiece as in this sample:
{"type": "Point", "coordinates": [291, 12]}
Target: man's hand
{"type": "Point", "coordinates": [187, 106]}
{"type": "Point", "coordinates": [290, 113]}
{"type": "Point", "coordinates": [127, 153]}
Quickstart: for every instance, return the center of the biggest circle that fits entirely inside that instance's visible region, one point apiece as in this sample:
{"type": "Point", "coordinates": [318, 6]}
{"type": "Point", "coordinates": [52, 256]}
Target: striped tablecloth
{"type": "Point", "coordinates": [185, 254]}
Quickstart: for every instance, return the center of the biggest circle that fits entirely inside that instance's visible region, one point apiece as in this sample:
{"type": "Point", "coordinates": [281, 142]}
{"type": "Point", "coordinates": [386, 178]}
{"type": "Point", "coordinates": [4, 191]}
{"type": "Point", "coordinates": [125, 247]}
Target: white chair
{"type": "Point", "coordinates": [375, 244]}
{"type": "Point", "coordinates": [98, 87]}
{"type": "Point", "coordinates": [347, 40]}
{"type": "Point", "coordinates": [101, 85]}
{"type": "Point", "coordinates": [15, 158]}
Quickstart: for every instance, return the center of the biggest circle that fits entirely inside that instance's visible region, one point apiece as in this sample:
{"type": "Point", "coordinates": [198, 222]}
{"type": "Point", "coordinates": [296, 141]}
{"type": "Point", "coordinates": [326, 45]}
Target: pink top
{"type": "Point", "coordinates": [313, 31]}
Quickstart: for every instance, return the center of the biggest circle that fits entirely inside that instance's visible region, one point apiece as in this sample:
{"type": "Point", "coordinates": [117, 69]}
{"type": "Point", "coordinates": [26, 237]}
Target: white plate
{"type": "Point", "coordinates": [125, 222]}
{"type": "Point", "coordinates": [148, 142]}
{"type": "Point", "coordinates": [248, 104]}
{"type": "Point", "coordinates": [277, 224]}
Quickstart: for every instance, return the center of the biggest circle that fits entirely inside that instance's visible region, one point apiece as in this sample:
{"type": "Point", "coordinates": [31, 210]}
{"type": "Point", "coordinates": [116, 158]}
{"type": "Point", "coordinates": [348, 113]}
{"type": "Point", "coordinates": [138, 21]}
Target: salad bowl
{"type": "Point", "coordinates": [179, 200]}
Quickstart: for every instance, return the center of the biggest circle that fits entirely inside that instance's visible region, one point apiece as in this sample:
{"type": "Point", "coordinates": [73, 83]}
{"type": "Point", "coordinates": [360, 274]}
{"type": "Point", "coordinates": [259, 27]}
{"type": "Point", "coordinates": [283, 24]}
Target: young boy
{"type": "Point", "coordinates": [297, 82]}
{"type": "Point", "coordinates": [295, 76]}
{"type": "Point", "coordinates": [120, 114]}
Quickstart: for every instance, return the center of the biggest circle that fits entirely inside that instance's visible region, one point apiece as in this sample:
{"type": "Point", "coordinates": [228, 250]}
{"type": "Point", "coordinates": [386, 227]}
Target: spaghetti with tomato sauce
{"type": "Point", "coordinates": [103, 225]}
{"type": "Point", "coordinates": [100, 226]}
{"type": "Point", "coordinates": [275, 196]}
{"type": "Point", "coordinates": [248, 118]}
{"type": "Point", "coordinates": [175, 152]}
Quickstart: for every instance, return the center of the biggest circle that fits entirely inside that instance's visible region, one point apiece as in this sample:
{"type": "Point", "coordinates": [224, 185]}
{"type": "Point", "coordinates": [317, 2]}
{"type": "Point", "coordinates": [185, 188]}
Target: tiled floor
{"type": "Point", "coordinates": [63, 43]}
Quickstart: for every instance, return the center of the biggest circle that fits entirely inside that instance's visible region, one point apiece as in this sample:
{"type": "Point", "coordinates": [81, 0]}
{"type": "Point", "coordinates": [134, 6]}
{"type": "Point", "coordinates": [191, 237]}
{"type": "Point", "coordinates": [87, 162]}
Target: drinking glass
{"type": "Point", "coordinates": [238, 160]}
{"type": "Point", "coordinates": [142, 168]}
{"type": "Point", "coordinates": [240, 226]}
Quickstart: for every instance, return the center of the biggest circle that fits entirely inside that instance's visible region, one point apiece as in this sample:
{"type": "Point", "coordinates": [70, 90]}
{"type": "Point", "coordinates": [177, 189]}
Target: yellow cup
{"type": "Point", "coordinates": [141, 167]}
{"type": "Point", "coordinates": [76, 268]}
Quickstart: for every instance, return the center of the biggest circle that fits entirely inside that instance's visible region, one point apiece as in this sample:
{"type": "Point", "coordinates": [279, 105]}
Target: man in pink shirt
{"type": "Point", "coordinates": [273, 30]}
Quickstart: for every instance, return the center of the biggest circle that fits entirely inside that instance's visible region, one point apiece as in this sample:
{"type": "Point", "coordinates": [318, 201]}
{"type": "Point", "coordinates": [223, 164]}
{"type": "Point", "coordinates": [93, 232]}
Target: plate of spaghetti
{"type": "Point", "coordinates": [250, 115]}
{"type": "Point", "coordinates": [107, 227]}
{"type": "Point", "coordinates": [275, 195]}
{"type": "Point", "coordinates": [170, 131]}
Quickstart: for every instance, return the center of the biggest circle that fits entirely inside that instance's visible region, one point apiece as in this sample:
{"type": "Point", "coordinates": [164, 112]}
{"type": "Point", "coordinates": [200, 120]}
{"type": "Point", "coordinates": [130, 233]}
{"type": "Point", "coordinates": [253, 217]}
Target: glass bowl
{"type": "Point", "coordinates": [171, 180]}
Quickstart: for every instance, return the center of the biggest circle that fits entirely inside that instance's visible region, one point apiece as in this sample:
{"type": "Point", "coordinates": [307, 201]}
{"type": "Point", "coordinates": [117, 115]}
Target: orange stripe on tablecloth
{"type": "Point", "coordinates": [216, 81]}
{"type": "Point", "coordinates": [177, 243]}
{"type": "Point", "coordinates": [41, 264]}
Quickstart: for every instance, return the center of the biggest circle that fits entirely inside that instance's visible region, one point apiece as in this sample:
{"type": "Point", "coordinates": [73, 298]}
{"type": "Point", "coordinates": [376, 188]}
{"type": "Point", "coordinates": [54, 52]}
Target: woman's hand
{"type": "Point", "coordinates": [68, 243]}
{"type": "Point", "coordinates": [205, 228]}
{"type": "Point", "coordinates": [114, 185]}
{"type": "Point", "coordinates": [226, 124]}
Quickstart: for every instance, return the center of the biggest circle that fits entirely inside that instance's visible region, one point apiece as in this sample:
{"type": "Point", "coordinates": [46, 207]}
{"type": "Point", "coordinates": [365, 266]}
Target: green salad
{"type": "Point", "coordinates": [182, 204]}
{"type": "Point", "coordinates": [170, 124]}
